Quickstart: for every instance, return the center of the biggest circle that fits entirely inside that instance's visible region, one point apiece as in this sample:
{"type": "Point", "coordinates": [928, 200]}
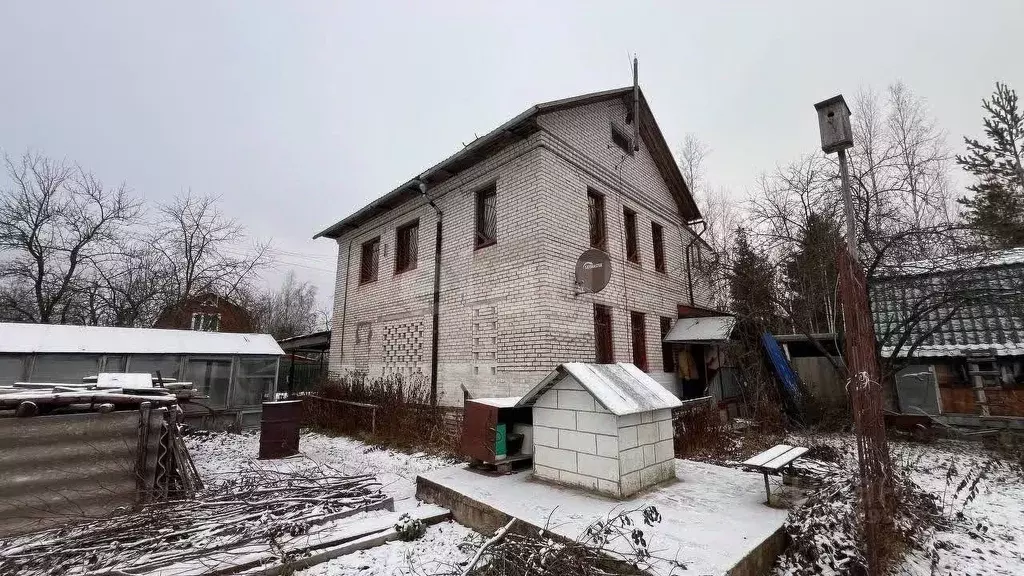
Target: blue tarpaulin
{"type": "Point", "coordinates": [781, 365]}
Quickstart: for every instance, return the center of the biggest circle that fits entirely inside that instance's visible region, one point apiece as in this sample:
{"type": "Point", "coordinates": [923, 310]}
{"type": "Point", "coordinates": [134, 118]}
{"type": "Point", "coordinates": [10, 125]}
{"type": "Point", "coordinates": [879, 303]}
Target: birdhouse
{"type": "Point", "coordinates": [834, 123]}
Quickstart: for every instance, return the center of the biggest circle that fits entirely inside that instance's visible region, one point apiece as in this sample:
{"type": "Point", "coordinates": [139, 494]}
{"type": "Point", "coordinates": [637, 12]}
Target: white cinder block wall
{"type": "Point", "coordinates": [509, 312]}
{"type": "Point", "coordinates": [646, 453]}
{"type": "Point", "coordinates": [579, 443]}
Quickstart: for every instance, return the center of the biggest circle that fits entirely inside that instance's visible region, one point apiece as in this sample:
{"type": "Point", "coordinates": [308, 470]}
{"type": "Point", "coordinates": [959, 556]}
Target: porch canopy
{"type": "Point", "coordinates": [703, 330]}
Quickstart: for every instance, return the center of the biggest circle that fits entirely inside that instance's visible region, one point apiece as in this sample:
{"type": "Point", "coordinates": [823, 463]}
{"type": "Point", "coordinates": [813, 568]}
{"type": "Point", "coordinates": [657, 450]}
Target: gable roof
{"type": "Point", "coordinates": [518, 128]}
{"type": "Point", "coordinates": [621, 388]}
{"type": "Point", "coordinates": [67, 339]}
{"type": "Point", "coordinates": [953, 306]}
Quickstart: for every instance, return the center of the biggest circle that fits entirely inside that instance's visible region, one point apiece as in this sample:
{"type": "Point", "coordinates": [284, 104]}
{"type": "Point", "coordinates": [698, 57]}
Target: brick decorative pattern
{"type": "Point", "coordinates": [485, 342]}
{"type": "Point", "coordinates": [510, 312]}
{"type": "Point", "coordinates": [403, 348]}
{"type": "Point", "coordinates": [579, 443]}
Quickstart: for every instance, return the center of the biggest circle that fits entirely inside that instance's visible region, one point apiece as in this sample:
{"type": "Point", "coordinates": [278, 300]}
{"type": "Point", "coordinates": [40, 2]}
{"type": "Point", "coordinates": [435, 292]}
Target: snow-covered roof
{"type": "Point", "coordinates": [977, 307]}
{"type": "Point", "coordinates": [707, 329]}
{"type": "Point", "coordinates": [57, 338]}
{"type": "Point", "coordinates": [621, 388]}
{"type": "Point", "coordinates": [955, 263]}
{"type": "Point", "coordinates": [506, 402]}
{"type": "Point", "coordinates": [956, 350]}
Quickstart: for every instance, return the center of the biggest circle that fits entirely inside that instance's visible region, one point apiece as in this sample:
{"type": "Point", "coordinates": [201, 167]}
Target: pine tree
{"type": "Point", "coordinates": [752, 287]}
{"type": "Point", "coordinates": [996, 211]}
{"type": "Point", "coordinates": [811, 276]}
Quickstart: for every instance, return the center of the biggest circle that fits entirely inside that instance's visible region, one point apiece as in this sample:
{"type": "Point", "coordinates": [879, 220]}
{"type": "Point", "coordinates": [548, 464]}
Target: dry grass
{"type": "Point", "coordinates": [396, 413]}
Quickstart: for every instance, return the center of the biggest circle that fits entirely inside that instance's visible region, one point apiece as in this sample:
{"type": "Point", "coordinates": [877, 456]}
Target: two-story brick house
{"type": "Point", "coordinates": [515, 209]}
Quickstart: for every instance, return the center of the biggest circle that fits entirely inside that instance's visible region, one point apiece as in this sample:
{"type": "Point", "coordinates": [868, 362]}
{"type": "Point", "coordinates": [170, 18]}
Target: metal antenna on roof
{"type": "Point", "coordinates": [636, 108]}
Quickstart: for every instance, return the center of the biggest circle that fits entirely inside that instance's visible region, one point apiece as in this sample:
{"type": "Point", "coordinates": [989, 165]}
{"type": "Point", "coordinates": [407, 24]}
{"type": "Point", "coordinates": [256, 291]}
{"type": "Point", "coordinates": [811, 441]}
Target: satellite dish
{"type": "Point", "coordinates": [593, 270]}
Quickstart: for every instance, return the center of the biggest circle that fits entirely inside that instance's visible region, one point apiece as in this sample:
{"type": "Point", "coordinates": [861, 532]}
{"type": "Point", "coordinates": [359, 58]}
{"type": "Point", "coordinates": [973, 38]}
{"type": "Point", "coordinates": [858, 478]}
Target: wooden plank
{"type": "Point", "coordinates": [319, 545]}
{"type": "Point", "coordinates": [768, 455]}
{"type": "Point", "coordinates": [784, 459]}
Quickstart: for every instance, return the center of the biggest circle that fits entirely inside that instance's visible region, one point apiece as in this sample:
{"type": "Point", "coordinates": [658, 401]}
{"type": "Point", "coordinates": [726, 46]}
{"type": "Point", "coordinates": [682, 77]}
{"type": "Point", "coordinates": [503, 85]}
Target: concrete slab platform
{"type": "Point", "coordinates": [714, 519]}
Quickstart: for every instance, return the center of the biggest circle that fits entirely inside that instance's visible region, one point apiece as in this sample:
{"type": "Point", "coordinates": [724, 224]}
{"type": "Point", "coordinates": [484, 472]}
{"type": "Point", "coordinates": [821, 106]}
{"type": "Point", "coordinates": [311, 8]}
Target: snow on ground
{"type": "Point", "coordinates": [219, 454]}
{"type": "Point", "coordinates": [989, 538]}
{"type": "Point", "coordinates": [711, 516]}
{"type": "Point", "coordinates": [443, 549]}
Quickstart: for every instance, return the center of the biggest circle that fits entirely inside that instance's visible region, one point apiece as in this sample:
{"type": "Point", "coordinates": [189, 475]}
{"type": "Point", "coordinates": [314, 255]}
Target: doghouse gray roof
{"type": "Point", "coordinates": [620, 388]}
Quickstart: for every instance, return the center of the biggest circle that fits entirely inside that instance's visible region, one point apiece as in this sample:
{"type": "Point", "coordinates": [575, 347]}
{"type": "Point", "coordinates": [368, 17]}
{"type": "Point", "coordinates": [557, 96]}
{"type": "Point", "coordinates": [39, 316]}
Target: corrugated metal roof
{"type": "Point", "coordinates": [57, 339]}
{"type": "Point", "coordinates": [621, 388]}
{"type": "Point", "coordinates": [954, 263]}
{"type": "Point", "coordinates": [957, 350]}
{"type": "Point", "coordinates": [977, 307]}
{"type": "Point", "coordinates": [706, 329]}
{"type": "Point", "coordinates": [66, 468]}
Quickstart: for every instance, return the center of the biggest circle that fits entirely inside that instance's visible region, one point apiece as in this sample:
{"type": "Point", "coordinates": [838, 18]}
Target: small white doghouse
{"type": "Point", "coordinates": [603, 427]}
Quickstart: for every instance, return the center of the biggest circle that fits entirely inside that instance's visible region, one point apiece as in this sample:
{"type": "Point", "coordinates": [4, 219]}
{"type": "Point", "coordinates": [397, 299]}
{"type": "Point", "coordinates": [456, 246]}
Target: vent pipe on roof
{"type": "Point", "coordinates": [636, 108]}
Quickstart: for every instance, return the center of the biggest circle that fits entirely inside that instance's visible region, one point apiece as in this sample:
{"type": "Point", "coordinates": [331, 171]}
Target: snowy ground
{"type": "Point", "coordinates": [218, 455]}
{"type": "Point", "coordinates": [443, 549]}
{"type": "Point", "coordinates": [986, 538]}
{"type": "Point", "coordinates": [985, 533]}
{"type": "Point", "coordinates": [989, 538]}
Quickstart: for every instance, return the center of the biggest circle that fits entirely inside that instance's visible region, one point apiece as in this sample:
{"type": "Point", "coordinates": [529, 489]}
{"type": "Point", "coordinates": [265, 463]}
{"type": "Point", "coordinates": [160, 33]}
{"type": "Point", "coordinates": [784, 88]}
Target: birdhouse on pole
{"type": "Point", "coordinates": [834, 123]}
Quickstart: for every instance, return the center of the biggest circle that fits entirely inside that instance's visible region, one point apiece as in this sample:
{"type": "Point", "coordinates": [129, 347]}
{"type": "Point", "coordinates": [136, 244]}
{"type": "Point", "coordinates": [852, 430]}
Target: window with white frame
{"type": "Point", "coordinates": [206, 321]}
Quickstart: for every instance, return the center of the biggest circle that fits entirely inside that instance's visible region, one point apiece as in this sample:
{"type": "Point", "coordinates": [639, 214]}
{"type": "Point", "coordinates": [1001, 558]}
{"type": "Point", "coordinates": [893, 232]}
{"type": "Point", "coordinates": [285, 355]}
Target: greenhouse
{"type": "Point", "coordinates": [233, 373]}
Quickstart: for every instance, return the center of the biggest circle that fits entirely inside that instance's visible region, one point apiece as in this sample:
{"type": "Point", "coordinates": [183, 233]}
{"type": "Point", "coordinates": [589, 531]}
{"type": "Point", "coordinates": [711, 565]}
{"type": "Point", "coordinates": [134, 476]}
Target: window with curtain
{"type": "Point", "coordinates": [206, 321]}
{"type": "Point", "coordinates": [486, 217]}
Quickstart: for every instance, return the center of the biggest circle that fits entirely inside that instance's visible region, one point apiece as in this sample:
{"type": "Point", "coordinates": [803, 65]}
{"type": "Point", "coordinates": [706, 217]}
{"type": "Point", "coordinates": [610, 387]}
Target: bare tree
{"type": "Point", "coordinates": [691, 162]}
{"type": "Point", "coordinates": [903, 205]}
{"type": "Point", "coordinates": [721, 219]}
{"type": "Point", "coordinates": [201, 250]}
{"type": "Point", "coordinates": [900, 170]}
{"type": "Point", "coordinates": [127, 291]}
{"type": "Point", "coordinates": [288, 311]}
{"type": "Point", "coordinates": [785, 199]}
{"type": "Point", "coordinates": [56, 221]}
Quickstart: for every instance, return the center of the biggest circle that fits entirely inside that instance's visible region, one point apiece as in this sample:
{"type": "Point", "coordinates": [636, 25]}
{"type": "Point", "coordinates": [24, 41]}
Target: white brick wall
{"type": "Point", "coordinates": [647, 455]}
{"type": "Point", "coordinates": [579, 443]}
{"type": "Point", "coordinates": [509, 313]}
{"type": "Point", "coordinates": [575, 439]}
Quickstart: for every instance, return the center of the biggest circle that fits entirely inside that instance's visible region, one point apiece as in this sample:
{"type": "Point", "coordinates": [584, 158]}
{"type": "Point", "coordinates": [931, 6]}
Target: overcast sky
{"type": "Point", "coordinates": [298, 113]}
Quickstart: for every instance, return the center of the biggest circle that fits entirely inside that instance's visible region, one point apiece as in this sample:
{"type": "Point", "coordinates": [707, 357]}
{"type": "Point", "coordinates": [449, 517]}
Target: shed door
{"type": "Point", "coordinates": [915, 385]}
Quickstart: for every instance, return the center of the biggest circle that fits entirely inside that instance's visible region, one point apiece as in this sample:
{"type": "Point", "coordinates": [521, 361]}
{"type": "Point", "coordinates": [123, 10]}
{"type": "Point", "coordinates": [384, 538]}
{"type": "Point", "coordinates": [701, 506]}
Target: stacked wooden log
{"type": "Point", "coordinates": [104, 395]}
{"type": "Point", "coordinates": [257, 510]}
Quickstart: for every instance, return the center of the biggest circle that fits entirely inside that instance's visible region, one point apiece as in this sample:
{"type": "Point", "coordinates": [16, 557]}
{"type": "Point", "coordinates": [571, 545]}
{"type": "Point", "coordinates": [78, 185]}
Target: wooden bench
{"type": "Point", "coordinates": [771, 461]}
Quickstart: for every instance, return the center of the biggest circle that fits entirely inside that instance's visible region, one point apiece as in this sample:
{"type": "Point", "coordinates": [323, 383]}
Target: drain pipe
{"type": "Point", "coordinates": [434, 335]}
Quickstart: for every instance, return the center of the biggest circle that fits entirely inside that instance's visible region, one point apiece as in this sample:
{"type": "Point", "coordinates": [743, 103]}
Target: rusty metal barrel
{"type": "Point", "coordinates": [279, 429]}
